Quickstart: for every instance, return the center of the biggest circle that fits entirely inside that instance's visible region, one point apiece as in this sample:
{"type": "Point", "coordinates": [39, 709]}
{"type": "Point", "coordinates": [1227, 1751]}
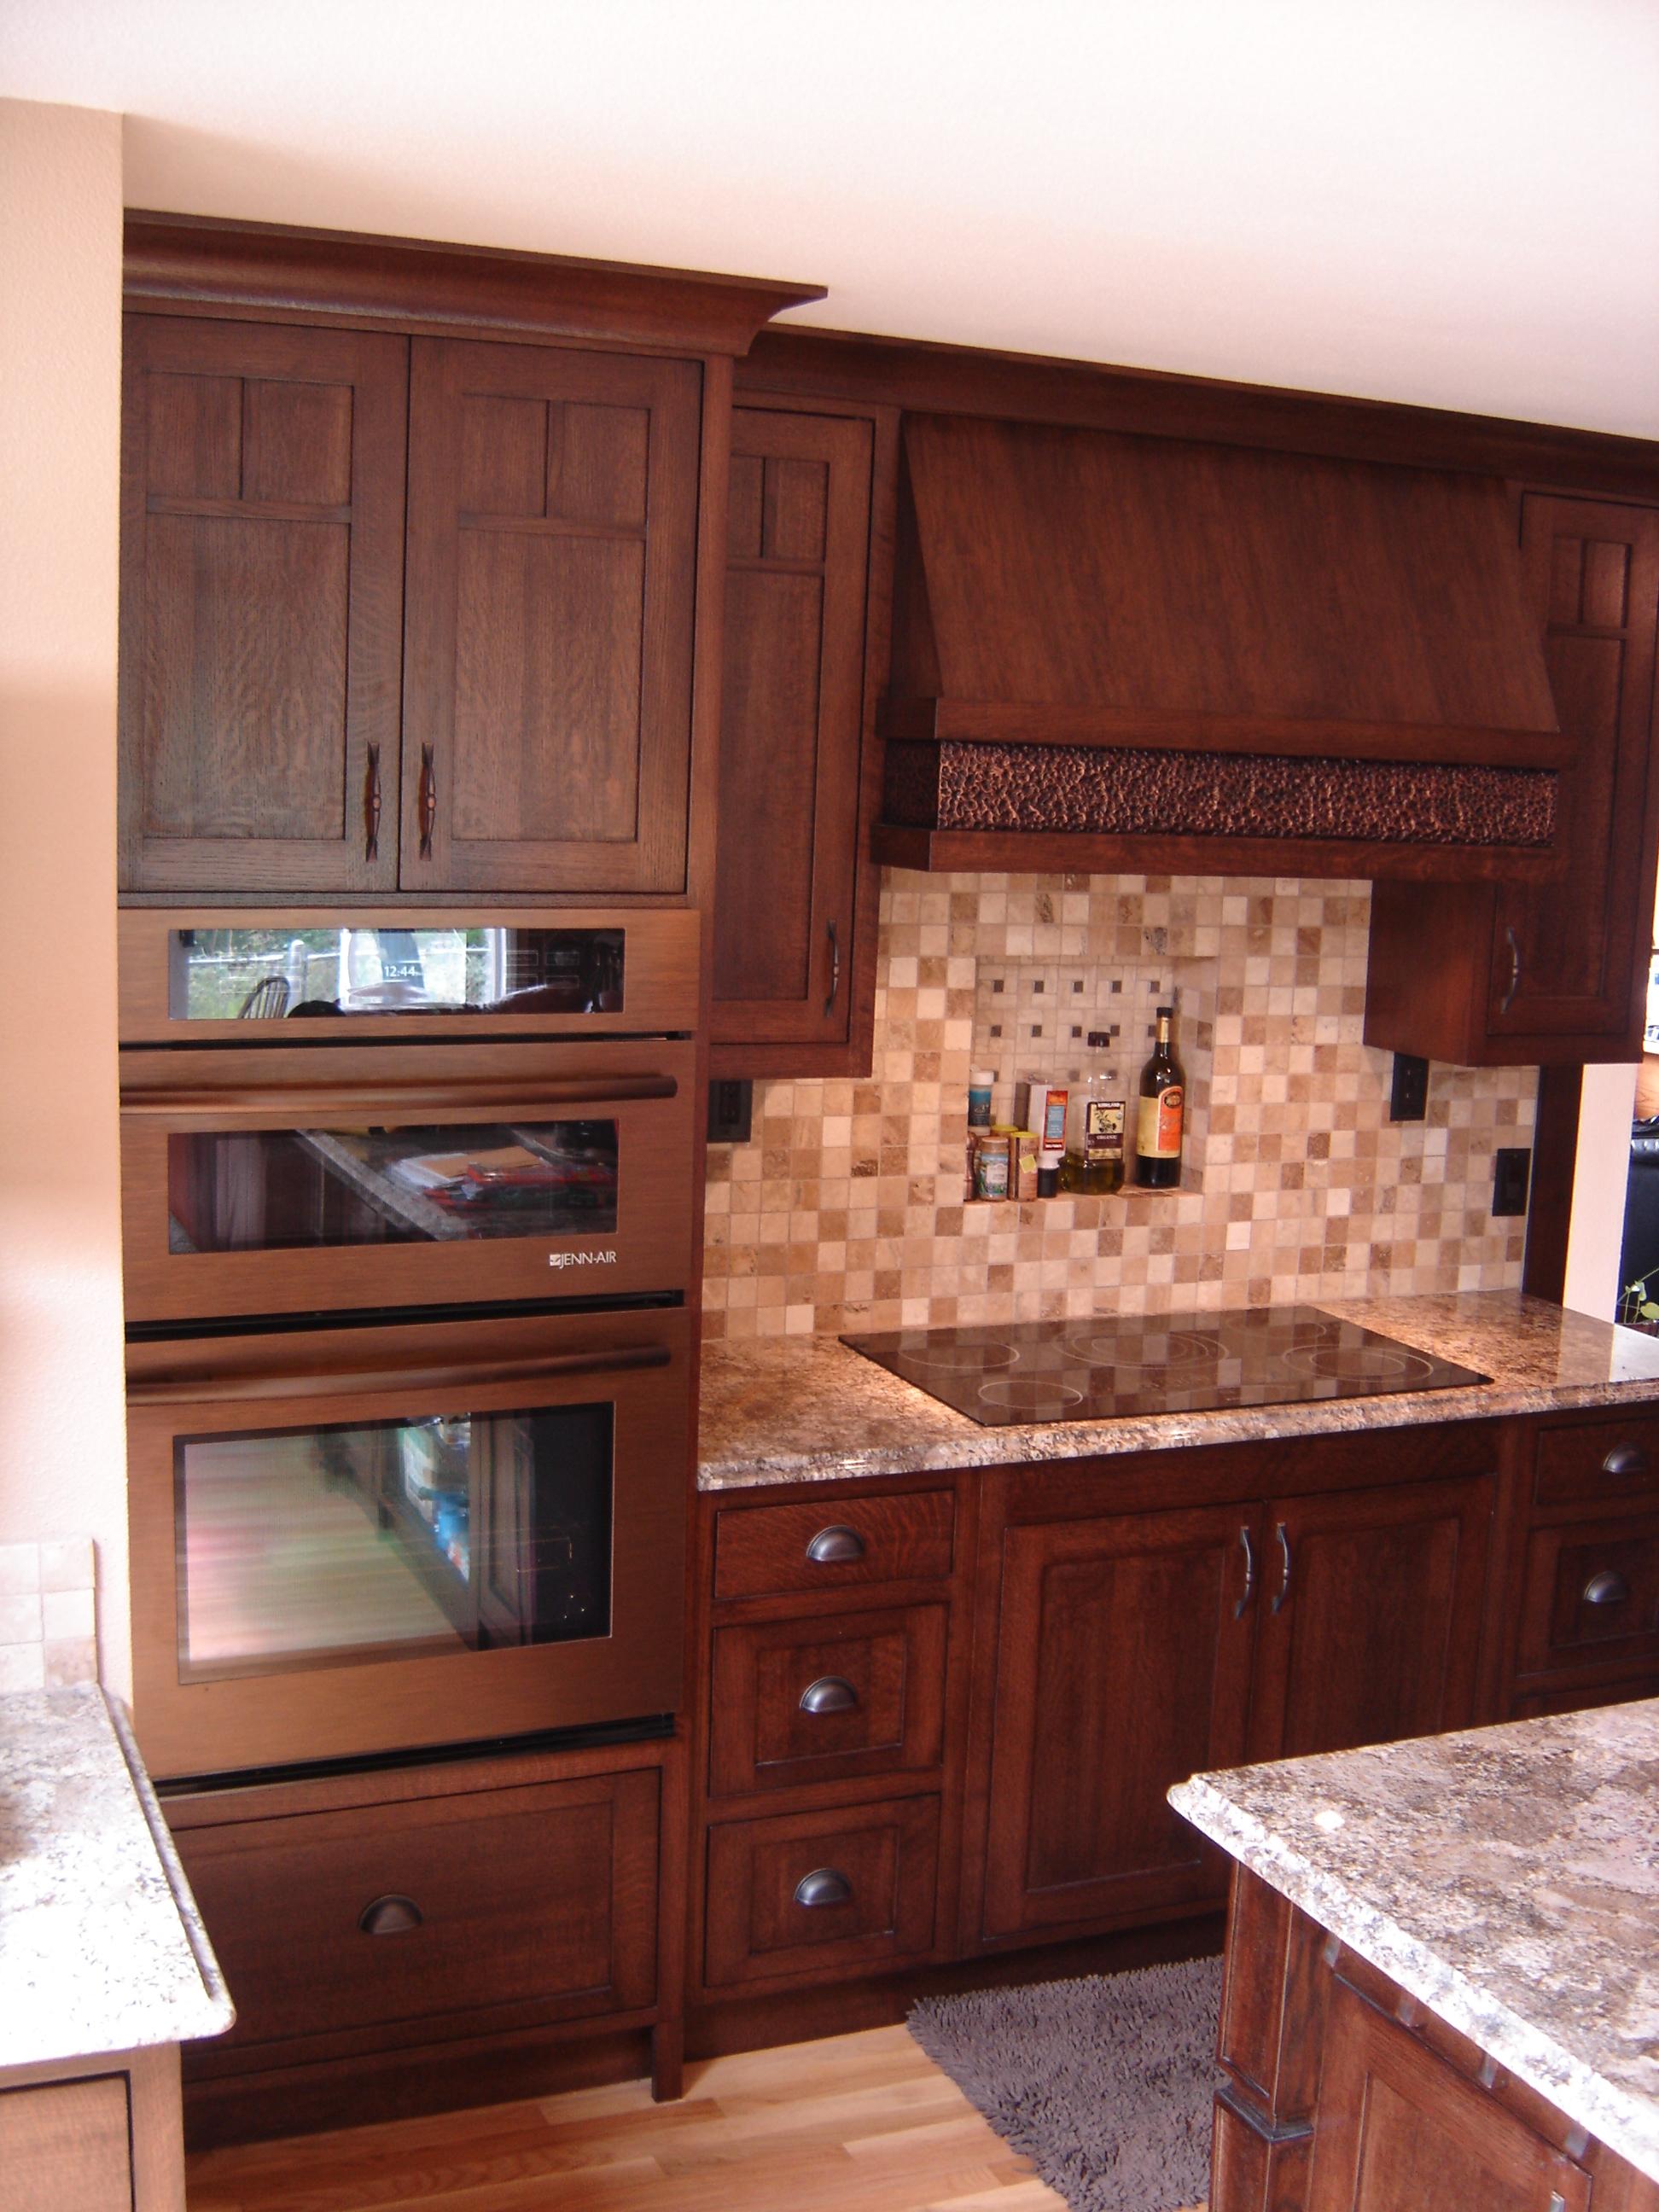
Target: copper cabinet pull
{"type": "Point", "coordinates": [530, 1095]}
{"type": "Point", "coordinates": [428, 801]}
{"type": "Point", "coordinates": [835, 1546]}
{"type": "Point", "coordinates": [389, 1916]}
{"type": "Point", "coordinates": [1284, 1590]}
{"type": "Point", "coordinates": [1625, 1459]}
{"type": "Point", "coordinates": [1240, 1609]}
{"type": "Point", "coordinates": [830, 1693]}
{"type": "Point", "coordinates": [1608, 1587]}
{"type": "Point", "coordinates": [823, 1886]}
{"type": "Point", "coordinates": [1514, 944]}
{"type": "Point", "coordinates": [372, 805]}
{"type": "Point", "coordinates": [231, 1389]}
{"type": "Point", "coordinates": [835, 969]}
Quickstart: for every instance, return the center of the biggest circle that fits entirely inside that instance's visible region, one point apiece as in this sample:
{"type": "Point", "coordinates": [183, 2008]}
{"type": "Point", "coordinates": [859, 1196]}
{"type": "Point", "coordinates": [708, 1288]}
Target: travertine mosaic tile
{"type": "Point", "coordinates": [845, 1211]}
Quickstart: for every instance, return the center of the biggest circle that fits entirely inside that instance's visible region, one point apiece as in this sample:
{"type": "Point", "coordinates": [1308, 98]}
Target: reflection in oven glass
{"type": "Point", "coordinates": [252, 974]}
{"type": "Point", "coordinates": [468, 1532]}
{"type": "Point", "coordinates": [273, 1190]}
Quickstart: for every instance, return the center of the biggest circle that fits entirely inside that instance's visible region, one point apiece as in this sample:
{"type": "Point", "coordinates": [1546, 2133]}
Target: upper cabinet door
{"type": "Point", "coordinates": [261, 605]}
{"type": "Point", "coordinates": [552, 550]}
{"type": "Point", "coordinates": [791, 732]}
{"type": "Point", "coordinates": [1570, 959]}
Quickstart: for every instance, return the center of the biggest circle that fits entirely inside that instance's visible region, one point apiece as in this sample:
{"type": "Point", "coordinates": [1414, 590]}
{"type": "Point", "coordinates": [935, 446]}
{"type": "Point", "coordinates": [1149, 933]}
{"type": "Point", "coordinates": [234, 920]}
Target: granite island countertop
{"type": "Point", "coordinates": [100, 1946]}
{"type": "Point", "coordinates": [1507, 1878]}
{"type": "Point", "coordinates": [804, 1408]}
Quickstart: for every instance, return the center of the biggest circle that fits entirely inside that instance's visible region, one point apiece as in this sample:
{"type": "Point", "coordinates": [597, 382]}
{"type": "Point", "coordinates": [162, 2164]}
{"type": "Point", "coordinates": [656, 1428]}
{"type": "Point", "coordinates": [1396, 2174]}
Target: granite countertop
{"type": "Point", "coordinates": [100, 1946]}
{"type": "Point", "coordinates": [804, 1408]}
{"type": "Point", "coordinates": [1506, 1877]}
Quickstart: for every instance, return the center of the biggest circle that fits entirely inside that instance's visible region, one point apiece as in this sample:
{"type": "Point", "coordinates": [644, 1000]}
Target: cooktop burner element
{"type": "Point", "coordinates": [1107, 1365]}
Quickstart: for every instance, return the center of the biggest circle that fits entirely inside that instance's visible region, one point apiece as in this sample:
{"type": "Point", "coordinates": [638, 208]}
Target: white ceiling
{"type": "Point", "coordinates": [1454, 202]}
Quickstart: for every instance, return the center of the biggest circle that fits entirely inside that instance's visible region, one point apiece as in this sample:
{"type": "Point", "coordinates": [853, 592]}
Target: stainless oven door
{"type": "Point", "coordinates": [331, 1178]}
{"type": "Point", "coordinates": [374, 1539]}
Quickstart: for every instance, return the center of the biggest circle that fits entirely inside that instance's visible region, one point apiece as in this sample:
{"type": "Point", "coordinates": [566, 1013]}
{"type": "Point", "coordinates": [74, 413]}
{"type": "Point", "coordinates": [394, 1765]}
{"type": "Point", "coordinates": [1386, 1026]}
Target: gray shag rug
{"type": "Point", "coordinates": [1106, 2084]}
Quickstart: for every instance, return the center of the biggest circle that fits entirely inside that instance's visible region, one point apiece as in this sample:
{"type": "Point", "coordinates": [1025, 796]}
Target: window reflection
{"type": "Point", "coordinates": [285, 974]}
{"type": "Point", "coordinates": [446, 1533]}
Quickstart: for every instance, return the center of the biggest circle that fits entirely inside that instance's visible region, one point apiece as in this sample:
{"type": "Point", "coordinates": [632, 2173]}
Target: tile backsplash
{"type": "Point", "coordinates": [846, 1211]}
{"type": "Point", "coordinates": [48, 1636]}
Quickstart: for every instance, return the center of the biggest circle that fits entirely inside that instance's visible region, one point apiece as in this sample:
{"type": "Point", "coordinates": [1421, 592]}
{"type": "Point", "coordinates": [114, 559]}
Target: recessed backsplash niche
{"type": "Point", "coordinates": [846, 1211]}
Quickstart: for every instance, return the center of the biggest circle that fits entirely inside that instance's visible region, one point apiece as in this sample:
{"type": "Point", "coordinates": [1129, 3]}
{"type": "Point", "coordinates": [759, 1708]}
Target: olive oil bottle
{"type": "Point", "coordinates": [1095, 1125]}
{"type": "Point", "coordinates": [1161, 1121]}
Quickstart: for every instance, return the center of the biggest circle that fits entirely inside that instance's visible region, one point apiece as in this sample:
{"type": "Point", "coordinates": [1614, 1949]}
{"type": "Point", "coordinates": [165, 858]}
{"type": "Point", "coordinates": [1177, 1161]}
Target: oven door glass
{"type": "Point", "coordinates": [276, 1190]}
{"type": "Point", "coordinates": [461, 1532]}
{"type": "Point", "coordinates": [280, 973]}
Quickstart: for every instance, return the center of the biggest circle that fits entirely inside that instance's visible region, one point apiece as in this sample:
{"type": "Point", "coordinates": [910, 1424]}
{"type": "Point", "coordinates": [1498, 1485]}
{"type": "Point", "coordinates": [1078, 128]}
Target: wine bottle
{"type": "Point", "coordinates": [1162, 1114]}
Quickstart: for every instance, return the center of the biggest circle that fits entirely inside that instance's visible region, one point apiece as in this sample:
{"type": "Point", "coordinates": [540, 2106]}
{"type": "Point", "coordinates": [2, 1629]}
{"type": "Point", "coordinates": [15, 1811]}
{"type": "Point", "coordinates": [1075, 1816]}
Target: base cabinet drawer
{"type": "Point", "coordinates": [812, 1895]}
{"type": "Point", "coordinates": [838, 1543]}
{"type": "Point", "coordinates": [485, 1908]}
{"type": "Point", "coordinates": [1591, 1595]}
{"type": "Point", "coordinates": [1609, 1464]}
{"type": "Point", "coordinates": [853, 1693]}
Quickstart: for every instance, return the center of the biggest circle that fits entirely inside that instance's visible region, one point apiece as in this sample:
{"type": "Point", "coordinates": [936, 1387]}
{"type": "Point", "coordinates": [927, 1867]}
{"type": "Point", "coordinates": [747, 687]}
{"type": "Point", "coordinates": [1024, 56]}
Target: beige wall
{"type": "Point", "coordinates": [62, 1439]}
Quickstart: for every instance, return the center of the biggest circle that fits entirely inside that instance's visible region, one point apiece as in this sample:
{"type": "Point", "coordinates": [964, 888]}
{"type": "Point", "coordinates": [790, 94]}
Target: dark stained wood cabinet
{"type": "Point", "coordinates": [1555, 973]}
{"type": "Point", "coordinates": [1123, 1650]}
{"type": "Point", "coordinates": [794, 913]}
{"type": "Point", "coordinates": [552, 559]}
{"type": "Point", "coordinates": [262, 562]}
{"type": "Point", "coordinates": [1133, 1649]}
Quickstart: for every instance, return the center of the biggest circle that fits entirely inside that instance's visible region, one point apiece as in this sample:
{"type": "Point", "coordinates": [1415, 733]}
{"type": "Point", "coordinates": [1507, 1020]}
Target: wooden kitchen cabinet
{"type": "Point", "coordinates": [1133, 1649]}
{"type": "Point", "coordinates": [795, 901]}
{"type": "Point", "coordinates": [1554, 973]}
{"type": "Point", "coordinates": [547, 672]}
{"type": "Point", "coordinates": [262, 565]}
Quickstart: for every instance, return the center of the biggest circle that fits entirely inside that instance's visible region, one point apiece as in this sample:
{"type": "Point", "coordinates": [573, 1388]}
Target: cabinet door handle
{"type": "Point", "coordinates": [1240, 1609]}
{"type": "Point", "coordinates": [1606, 1588]}
{"type": "Point", "coordinates": [1625, 1459]}
{"type": "Point", "coordinates": [830, 1693]}
{"type": "Point", "coordinates": [1284, 1590]}
{"type": "Point", "coordinates": [835, 968]}
{"type": "Point", "coordinates": [823, 1886]}
{"type": "Point", "coordinates": [834, 1545]}
{"type": "Point", "coordinates": [428, 801]}
{"type": "Point", "coordinates": [372, 805]}
{"type": "Point", "coordinates": [389, 1916]}
{"type": "Point", "coordinates": [1514, 944]}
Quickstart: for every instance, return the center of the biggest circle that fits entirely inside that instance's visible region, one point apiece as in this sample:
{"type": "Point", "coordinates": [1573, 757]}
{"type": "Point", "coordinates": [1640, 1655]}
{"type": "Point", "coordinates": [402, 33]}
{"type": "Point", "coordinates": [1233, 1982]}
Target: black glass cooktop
{"type": "Point", "coordinates": [1106, 1366]}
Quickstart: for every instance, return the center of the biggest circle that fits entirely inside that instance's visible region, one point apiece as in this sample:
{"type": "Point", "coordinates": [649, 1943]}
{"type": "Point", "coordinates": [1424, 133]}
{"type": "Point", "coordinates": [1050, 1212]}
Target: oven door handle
{"type": "Point", "coordinates": [526, 1096]}
{"type": "Point", "coordinates": [235, 1390]}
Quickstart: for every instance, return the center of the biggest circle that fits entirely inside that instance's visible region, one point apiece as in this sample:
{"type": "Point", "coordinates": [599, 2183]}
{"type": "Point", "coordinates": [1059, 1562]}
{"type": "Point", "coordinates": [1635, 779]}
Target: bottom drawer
{"type": "Point", "coordinates": [810, 1894]}
{"type": "Point", "coordinates": [537, 1902]}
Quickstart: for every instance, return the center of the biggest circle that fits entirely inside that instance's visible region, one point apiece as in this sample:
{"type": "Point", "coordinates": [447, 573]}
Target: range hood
{"type": "Point", "coordinates": [1108, 649]}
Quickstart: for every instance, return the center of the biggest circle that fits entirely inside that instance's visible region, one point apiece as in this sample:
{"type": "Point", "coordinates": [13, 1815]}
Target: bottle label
{"type": "Point", "coordinates": [1052, 1135]}
{"type": "Point", "coordinates": [1158, 1134]}
{"type": "Point", "coordinates": [1103, 1128]}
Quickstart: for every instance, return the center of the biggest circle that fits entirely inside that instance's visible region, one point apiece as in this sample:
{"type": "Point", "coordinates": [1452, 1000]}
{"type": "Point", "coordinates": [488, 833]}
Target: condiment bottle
{"type": "Point", "coordinates": [1095, 1121]}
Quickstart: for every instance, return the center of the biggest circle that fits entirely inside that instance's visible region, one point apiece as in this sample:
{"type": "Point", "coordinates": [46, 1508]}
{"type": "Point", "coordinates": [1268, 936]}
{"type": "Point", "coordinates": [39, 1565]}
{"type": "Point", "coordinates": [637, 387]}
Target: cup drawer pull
{"type": "Point", "coordinates": [834, 1545]}
{"type": "Point", "coordinates": [830, 1693]}
{"type": "Point", "coordinates": [1625, 1459]}
{"type": "Point", "coordinates": [389, 1916]}
{"type": "Point", "coordinates": [823, 1886]}
{"type": "Point", "coordinates": [1606, 1588]}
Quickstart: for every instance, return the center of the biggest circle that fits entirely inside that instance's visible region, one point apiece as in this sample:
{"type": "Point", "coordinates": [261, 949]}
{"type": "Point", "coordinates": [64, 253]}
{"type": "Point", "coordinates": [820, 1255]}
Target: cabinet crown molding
{"type": "Point", "coordinates": [209, 265]}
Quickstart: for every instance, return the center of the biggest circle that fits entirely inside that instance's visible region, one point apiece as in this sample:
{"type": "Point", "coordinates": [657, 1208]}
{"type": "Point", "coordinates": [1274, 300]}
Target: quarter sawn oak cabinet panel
{"type": "Point", "coordinates": [1489, 974]}
{"type": "Point", "coordinates": [791, 731]}
{"type": "Point", "coordinates": [552, 552]}
{"type": "Point", "coordinates": [261, 550]}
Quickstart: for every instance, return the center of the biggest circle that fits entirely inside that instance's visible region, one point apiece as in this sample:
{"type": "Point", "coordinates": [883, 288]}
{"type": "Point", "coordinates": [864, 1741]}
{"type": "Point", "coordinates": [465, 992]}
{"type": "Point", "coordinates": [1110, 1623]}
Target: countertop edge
{"type": "Point", "coordinates": [220, 2001]}
{"type": "Point", "coordinates": [1527, 2051]}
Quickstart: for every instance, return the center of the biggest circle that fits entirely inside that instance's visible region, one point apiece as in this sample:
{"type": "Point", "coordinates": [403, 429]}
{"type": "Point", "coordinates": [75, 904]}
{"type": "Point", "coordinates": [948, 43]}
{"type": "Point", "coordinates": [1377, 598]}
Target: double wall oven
{"type": "Point", "coordinates": [408, 1210]}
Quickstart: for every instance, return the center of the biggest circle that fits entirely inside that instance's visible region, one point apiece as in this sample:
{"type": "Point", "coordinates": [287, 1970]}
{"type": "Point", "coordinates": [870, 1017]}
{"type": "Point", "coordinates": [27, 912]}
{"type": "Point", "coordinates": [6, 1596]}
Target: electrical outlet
{"type": "Point", "coordinates": [1408, 1099]}
{"type": "Point", "coordinates": [730, 1110]}
{"type": "Point", "coordinates": [1511, 1171]}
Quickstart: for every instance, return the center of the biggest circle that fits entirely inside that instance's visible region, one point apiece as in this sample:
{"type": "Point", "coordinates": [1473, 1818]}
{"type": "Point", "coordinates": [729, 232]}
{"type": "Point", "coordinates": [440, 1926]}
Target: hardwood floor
{"type": "Point", "coordinates": [855, 2124]}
